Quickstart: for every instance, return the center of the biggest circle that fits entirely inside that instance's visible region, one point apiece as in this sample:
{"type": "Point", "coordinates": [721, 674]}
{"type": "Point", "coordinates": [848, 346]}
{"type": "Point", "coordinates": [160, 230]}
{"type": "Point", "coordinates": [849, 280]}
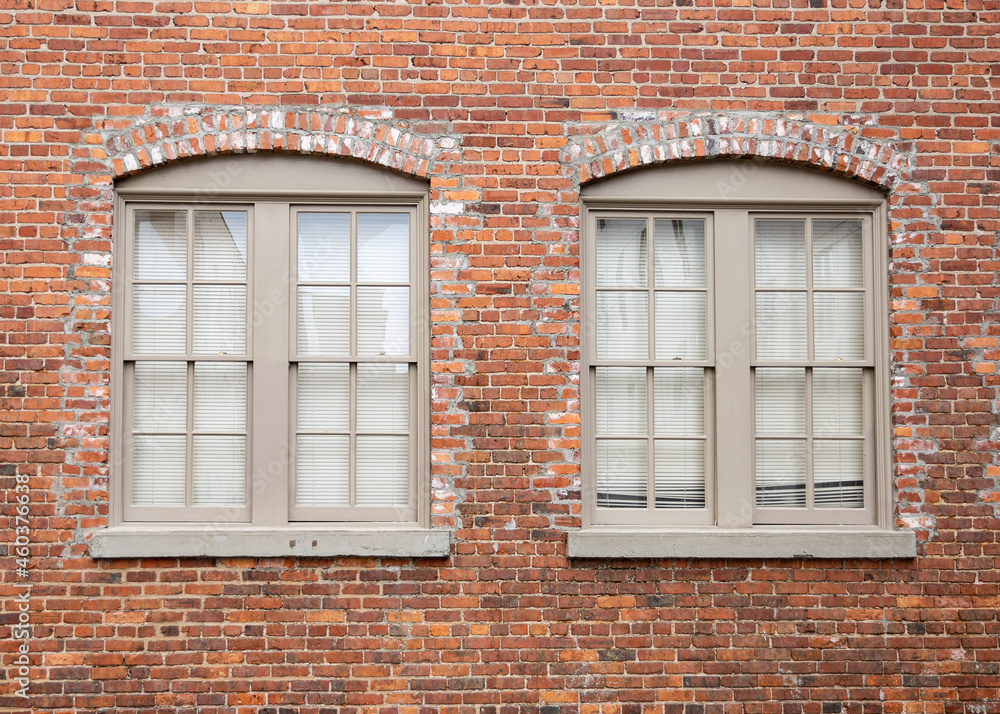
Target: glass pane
{"type": "Point", "coordinates": [159, 316]}
{"type": "Point", "coordinates": [680, 401]}
{"type": "Point", "coordinates": [680, 253]}
{"type": "Point", "coordinates": [781, 474]}
{"type": "Point", "coordinates": [160, 245]}
{"type": "Point", "coordinates": [323, 397]}
{"type": "Point", "coordinates": [839, 325]}
{"type": "Point", "coordinates": [220, 323]}
{"type": "Point", "coordinates": [621, 400]}
{"type": "Point", "coordinates": [324, 247]}
{"type": "Point", "coordinates": [158, 470]}
{"type": "Point", "coordinates": [383, 248]}
{"type": "Point", "coordinates": [621, 252]}
{"type": "Point", "coordinates": [781, 326]}
{"type": "Point", "coordinates": [160, 401]}
{"type": "Point", "coordinates": [383, 471]}
{"type": "Point", "coordinates": [219, 475]}
{"type": "Point", "coordinates": [220, 396]}
{"type": "Point", "coordinates": [324, 321]}
{"type": "Point", "coordinates": [220, 245]}
{"type": "Point", "coordinates": [322, 468]}
{"type": "Point", "coordinates": [838, 402]}
{"type": "Point", "coordinates": [780, 401]}
{"type": "Point", "coordinates": [621, 474]}
{"type": "Point", "coordinates": [383, 321]}
{"type": "Point", "coordinates": [837, 254]}
{"type": "Point", "coordinates": [780, 253]}
{"type": "Point", "coordinates": [622, 325]}
{"type": "Point", "coordinates": [838, 473]}
{"type": "Point", "coordinates": [680, 325]}
{"type": "Point", "coordinates": [383, 397]}
{"type": "Point", "coordinates": [680, 473]}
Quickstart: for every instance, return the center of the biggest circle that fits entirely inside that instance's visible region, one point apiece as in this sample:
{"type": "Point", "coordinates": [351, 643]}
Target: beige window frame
{"type": "Point", "coordinates": [273, 190]}
{"type": "Point", "coordinates": [730, 196]}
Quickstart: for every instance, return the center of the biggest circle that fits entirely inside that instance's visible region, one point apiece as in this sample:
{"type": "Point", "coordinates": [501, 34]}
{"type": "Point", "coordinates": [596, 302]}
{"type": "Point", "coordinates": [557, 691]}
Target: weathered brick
{"type": "Point", "coordinates": [505, 108]}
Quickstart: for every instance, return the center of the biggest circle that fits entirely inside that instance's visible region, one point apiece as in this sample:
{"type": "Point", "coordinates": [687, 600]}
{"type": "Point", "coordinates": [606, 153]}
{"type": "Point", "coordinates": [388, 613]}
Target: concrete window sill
{"type": "Point", "coordinates": [190, 541]}
{"type": "Point", "coordinates": [755, 543]}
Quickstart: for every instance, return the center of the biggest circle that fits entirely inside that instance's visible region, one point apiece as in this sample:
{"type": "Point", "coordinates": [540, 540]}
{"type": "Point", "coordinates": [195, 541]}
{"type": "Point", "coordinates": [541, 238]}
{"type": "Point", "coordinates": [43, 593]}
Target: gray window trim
{"type": "Point", "coordinates": [756, 543]}
{"type": "Point", "coordinates": [319, 540]}
{"type": "Point", "coordinates": [272, 185]}
{"type": "Point", "coordinates": [726, 189]}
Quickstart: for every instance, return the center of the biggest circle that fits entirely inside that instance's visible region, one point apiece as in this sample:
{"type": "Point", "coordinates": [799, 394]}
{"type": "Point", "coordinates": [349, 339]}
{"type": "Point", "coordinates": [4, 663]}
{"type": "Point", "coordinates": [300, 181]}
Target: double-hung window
{"type": "Point", "coordinates": [187, 368]}
{"type": "Point", "coordinates": [735, 365]}
{"type": "Point", "coordinates": [270, 381]}
{"type": "Point", "coordinates": [651, 378]}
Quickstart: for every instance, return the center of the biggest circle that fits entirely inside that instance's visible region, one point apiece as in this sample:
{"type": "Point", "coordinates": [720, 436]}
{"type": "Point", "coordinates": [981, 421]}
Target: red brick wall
{"type": "Point", "coordinates": [506, 106]}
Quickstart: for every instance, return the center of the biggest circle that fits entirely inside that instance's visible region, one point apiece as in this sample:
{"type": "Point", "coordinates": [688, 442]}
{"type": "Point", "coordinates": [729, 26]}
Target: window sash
{"type": "Point", "coordinates": [652, 283]}
{"type": "Point", "coordinates": [150, 271]}
{"type": "Point", "coordinates": [354, 442]}
{"type": "Point", "coordinates": [815, 282]}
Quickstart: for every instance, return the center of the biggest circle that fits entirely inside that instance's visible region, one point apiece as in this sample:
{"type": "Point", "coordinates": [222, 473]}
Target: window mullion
{"type": "Point", "coordinates": [270, 495]}
{"type": "Point", "coordinates": [733, 377]}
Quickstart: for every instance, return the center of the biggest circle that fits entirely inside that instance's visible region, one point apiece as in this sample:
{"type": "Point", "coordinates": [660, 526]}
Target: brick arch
{"type": "Point", "coordinates": [839, 149]}
{"type": "Point", "coordinates": [372, 137]}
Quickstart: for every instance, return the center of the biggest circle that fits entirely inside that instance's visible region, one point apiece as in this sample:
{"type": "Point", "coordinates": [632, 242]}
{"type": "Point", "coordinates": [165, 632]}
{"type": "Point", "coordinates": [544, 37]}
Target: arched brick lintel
{"type": "Point", "coordinates": [365, 136]}
{"type": "Point", "coordinates": [628, 145]}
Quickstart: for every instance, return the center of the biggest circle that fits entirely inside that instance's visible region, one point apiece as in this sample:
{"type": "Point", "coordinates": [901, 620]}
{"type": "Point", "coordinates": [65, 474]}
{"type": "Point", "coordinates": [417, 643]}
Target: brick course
{"type": "Point", "coordinates": [506, 107]}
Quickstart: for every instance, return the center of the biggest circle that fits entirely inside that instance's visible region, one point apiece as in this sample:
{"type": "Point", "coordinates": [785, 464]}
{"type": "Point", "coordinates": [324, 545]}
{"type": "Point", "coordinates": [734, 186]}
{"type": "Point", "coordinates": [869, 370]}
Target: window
{"type": "Point", "coordinates": [735, 363]}
{"type": "Point", "coordinates": [271, 357]}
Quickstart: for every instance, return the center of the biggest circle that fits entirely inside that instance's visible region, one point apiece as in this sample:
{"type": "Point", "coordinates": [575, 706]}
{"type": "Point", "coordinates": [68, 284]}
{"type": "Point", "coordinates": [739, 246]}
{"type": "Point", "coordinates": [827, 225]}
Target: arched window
{"type": "Point", "coordinates": [735, 357]}
{"type": "Point", "coordinates": [270, 350]}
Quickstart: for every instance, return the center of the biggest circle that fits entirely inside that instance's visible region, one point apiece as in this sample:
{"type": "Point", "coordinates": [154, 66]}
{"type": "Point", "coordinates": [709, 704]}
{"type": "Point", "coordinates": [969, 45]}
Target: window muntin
{"type": "Point", "coordinates": [194, 355]}
{"type": "Point", "coordinates": [797, 290]}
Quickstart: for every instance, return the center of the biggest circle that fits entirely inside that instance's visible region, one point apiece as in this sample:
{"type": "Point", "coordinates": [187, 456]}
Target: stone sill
{"type": "Point", "coordinates": [749, 543]}
{"type": "Point", "coordinates": [186, 541]}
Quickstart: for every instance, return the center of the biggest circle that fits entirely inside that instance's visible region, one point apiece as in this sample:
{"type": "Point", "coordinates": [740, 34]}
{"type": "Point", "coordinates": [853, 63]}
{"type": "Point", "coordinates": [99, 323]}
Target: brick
{"type": "Point", "coordinates": [505, 108]}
